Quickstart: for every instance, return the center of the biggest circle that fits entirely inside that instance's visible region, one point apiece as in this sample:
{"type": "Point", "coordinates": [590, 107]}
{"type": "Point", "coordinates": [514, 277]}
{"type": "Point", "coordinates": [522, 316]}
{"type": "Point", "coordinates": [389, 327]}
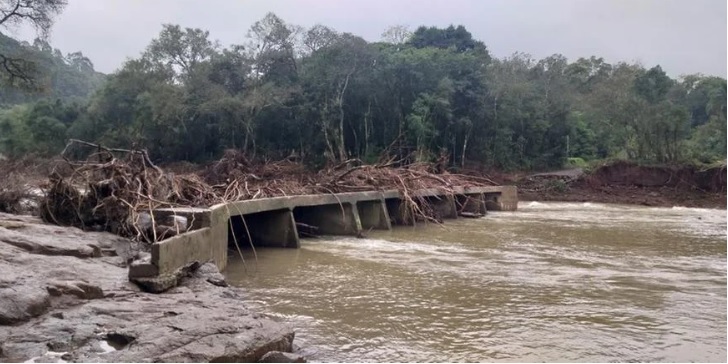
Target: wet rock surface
{"type": "Point", "coordinates": [281, 357]}
{"type": "Point", "coordinates": [65, 296]}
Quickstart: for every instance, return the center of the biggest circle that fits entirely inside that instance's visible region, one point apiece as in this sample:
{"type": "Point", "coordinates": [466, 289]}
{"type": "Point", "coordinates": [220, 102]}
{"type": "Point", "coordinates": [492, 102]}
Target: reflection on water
{"type": "Point", "coordinates": [550, 282]}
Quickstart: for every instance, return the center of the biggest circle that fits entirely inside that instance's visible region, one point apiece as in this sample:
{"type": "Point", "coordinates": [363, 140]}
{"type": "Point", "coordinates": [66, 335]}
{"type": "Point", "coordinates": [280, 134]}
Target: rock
{"type": "Point", "coordinates": [79, 289]}
{"type": "Point", "coordinates": [143, 267]}
{"type": "Point", "coordinates": [83, 308]}
{"type": "Point", "coordinates": [281, 357]}
{"type": "Point", "coordinates": [209, 272]}
{"type": "Point", "coordinates": [156, 284]}
{"type": "Point", "coordinates": [163, 282]}
{"type": "Point", "coordinates": [141, 270]}
{"type": "Point", "coordinates": [19, 305]}
{"type": "Point", "coordinates": [217, 282]}
{"type": "Point", "coordinates": [35, 248]}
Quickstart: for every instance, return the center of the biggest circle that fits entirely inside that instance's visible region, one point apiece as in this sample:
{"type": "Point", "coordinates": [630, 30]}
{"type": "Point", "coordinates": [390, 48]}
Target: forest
{"type": "Point", "coordinates": [322, 97]}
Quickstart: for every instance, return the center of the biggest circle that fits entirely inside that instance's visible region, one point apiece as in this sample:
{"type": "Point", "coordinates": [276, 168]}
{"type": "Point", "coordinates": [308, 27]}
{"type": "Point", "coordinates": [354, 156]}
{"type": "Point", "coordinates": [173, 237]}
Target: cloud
{"type": "Point", "coordinates": [682, 36]}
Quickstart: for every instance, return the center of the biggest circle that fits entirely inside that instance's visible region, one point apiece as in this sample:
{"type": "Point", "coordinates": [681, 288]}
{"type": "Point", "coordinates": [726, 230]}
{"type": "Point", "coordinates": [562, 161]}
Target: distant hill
{"type": "Point", "coordinates": [60, 77]}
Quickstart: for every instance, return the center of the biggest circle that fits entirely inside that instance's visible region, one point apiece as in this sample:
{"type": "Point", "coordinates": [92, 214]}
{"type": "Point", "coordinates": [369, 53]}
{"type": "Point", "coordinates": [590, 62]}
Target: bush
{"type": "Point", "coordinates": [576, 162]}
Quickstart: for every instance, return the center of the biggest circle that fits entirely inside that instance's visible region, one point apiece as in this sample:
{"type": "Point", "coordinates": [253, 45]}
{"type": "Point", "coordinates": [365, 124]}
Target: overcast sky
{"type": "Point", "coordinates": [684, 36]}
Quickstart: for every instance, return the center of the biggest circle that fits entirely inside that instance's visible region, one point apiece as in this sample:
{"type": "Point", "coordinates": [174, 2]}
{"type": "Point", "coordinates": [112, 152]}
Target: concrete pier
{"type": "Point", "coordinates": [443, 206]}
{"type": "Point", "coordinates": [272, 222]}
{"type": "Point", "coordinates": [275, 228]}
{"type": "Point", "coordinates": [397, 213]}
{"type": "Point", "coordinates": [331, 219]}
{"type": "Point", "coordinates": [506, 200]}
{"type": "Point", "coordinates": [374, 215]}
{"type": "Point", "coordinates": [472, 203]}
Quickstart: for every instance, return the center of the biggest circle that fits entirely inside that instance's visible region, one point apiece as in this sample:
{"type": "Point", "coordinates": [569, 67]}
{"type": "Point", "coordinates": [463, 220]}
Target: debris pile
{"type": "Point", "coordinates": [18, 191]}
{"type": "Point", "coordinates": [117, 190]}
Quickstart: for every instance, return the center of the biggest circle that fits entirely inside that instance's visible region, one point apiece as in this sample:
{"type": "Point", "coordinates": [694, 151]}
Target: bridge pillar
{"type": "Point", "coordinates": [333, 219]}
{"type": "Point", "coordinates": [472, 203]}
{"type": "Point", "coordinates": [373, 215]}
{"type": "Point", "coordinates": [505, 200]}
{"type": "Point", "coordinates": [444, 206]}
{"type": "Point", "coordinates": [274, 228]}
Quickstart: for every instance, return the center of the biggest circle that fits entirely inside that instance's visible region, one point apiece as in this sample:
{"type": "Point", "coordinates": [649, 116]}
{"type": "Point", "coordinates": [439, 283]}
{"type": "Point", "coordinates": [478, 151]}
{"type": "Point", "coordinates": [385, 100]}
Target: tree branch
{"type": "Point", "coordinates": [17, 70]}
{"type": "Point", "coordinates": [39, 13]}
{"type": "Point", "coordinates": [10, 13]}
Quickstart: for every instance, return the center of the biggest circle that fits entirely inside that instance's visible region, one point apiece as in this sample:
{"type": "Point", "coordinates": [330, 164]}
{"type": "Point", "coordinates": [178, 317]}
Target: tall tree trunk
{"type": "Point", "coordinates": [342, 147]}
{"type": "Point", "coordinates": [465, 146]}
{"type": "Point", "coordinates": [366, 129]}
{"type": "Point", "coordinates": [325, 128]}
{"type": "Point", "coordinates": [495, 124]}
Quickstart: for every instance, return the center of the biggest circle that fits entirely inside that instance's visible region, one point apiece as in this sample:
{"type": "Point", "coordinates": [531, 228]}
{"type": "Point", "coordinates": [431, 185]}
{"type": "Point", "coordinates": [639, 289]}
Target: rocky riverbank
{"type": "Point", "coordinates": [65, 296]}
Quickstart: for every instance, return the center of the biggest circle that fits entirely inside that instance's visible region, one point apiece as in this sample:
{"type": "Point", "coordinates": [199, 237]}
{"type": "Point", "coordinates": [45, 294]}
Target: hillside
{"type": "Point", "coordinates": [58, 76]}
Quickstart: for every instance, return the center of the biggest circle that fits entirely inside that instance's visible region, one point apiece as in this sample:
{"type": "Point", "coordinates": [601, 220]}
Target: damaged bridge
{"type": "Point", "coordinates": [280, 221]}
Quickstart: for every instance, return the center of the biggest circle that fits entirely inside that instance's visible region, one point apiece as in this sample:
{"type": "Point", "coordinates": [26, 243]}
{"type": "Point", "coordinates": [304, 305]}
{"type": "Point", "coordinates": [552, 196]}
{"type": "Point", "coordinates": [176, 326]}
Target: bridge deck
{"type": "Point", "coordinates": [274, 221]}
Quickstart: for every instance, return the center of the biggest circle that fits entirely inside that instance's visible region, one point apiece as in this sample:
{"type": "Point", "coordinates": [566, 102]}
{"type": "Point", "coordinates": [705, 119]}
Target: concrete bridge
{"type": "Point", "coordinates": [274, 222]}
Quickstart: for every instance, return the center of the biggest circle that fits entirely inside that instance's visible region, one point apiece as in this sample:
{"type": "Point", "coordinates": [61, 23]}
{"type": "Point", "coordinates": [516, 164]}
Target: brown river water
{"type": "Point", "coordinates": [550, 282]}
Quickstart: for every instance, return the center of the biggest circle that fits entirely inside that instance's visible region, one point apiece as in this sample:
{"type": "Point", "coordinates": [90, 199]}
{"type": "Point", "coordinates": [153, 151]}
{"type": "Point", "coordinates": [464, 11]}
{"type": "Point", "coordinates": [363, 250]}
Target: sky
{"type": "Point", "coordinates": [684, 37]}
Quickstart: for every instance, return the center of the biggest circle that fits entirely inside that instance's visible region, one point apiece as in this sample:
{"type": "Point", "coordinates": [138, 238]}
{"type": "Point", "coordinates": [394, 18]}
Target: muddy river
{"type": "Point", "coordinates": [550, 282]}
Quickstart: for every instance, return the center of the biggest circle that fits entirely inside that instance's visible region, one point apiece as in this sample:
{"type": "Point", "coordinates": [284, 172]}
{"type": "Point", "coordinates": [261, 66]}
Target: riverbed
{"type": "Point", "coordinates": [549, 282]}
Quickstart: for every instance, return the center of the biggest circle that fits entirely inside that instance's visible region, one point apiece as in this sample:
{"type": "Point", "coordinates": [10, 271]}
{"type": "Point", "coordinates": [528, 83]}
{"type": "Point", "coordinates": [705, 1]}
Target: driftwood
{"type": "Point", "coordinates": [471, 215]}
{"type": "Point", "coordinates": [300, 225]}
{"type": "Point", "coordinates": [111, 188]}
{"type": "Point", "coordinates": [307, 230]}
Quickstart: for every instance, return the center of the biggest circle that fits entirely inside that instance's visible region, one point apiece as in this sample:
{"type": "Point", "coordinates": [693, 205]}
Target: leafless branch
{"type": "Point", "coordinates": [39, 13]}
{"type": "Point", "coordinates": [17, 71]}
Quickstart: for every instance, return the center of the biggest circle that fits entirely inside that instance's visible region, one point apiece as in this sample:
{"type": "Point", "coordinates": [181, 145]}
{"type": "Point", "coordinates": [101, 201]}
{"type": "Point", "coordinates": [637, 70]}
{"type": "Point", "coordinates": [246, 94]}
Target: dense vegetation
{"type": "Point", "coordinates": [324, 96]}
{"type": "Point", "coordinates": [56, 77]}
{"type": "Point", "coordinates": [36, 117]}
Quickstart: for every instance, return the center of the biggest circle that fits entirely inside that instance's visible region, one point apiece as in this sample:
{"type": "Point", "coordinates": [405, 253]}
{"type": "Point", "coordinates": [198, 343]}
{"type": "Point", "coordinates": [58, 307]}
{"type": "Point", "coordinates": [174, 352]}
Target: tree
{"type": "Point", "coordinates": [325, 97]}
{"type": "Point", "coordinates": [181, 50]}
{"type": "Point", "coordinates": [58, 77]}
{"type": "Point", "coordinates": [456, 37]}
{"type": "Point", "coordinates": [429, 110]}
{"type": "Point", "coordinates": [79, 62]}
{"type": "Point", "coordinates": [329, 75]}
{"type": "Point", "coordinates": [318, 37]}
{"type": "Point", "coordinates": [508, 88]}
{"type": "Point", "coordinates": [16, 70]}
{"type": "Point", "coordinates": [397, 34]}
{"type": "Point", "coordinates": [708, 140]}
{"type": "Point", "coordinates": [653, 85]}
{"type": "Point", "coordinates": [272, 44]}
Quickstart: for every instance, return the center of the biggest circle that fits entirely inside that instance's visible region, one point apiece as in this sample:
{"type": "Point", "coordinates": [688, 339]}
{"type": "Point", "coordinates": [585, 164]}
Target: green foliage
{"type": "Point", "coordinates": [455, 38]}
{"type": "Point", "coordinates": [708, 140]}
{"type": "Point", "coordinates": [38, 128]}
{"type": "Point", "coordinates": [653, 85]}
{"type": "Point", "coordinates": [324, 97]}
{"type": "Point", "coordinates": [54, 76]}
{"type": "Point", "coordinates": [576, 162]}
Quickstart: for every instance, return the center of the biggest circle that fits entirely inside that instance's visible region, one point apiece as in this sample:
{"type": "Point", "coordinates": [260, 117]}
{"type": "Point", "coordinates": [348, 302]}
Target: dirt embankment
{"type": "Point", "coordinates": [629, 183]}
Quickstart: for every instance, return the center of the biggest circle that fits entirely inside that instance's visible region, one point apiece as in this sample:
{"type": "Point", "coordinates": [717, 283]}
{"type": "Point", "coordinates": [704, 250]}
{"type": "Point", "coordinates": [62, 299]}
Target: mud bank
{"type": "Point", "coordinates": [629, 183]}
{"type": "Point", "coordinates": [65, 296]}
{"type": "Point", "coordinates": [630, 195]}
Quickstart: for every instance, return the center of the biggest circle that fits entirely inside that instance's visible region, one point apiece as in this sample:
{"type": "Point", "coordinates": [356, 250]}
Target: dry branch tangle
{"type": "Point", "coordinates": [117, 189]}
